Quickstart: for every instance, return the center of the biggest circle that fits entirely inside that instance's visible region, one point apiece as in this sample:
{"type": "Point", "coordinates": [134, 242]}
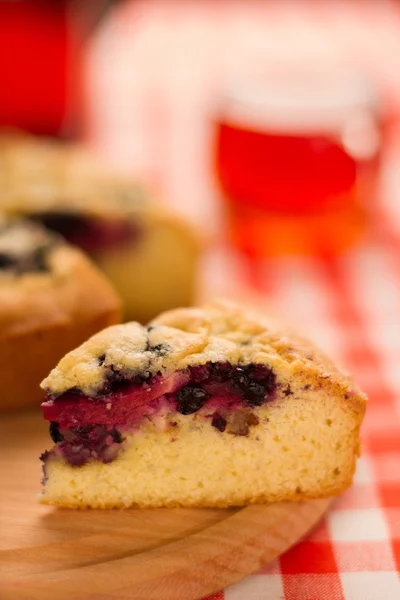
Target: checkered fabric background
{"type": "Point", "coordinates": [152, 69]}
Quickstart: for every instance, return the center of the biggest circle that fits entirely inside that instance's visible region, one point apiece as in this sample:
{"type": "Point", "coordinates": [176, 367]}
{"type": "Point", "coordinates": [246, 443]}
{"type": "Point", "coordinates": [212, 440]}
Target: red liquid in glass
{"type": "Point", "coordinates": [293, 193]}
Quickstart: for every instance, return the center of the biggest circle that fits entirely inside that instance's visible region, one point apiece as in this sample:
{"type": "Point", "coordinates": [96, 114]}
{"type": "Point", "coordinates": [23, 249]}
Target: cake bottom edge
{"type": "Point", "coordinates": [260, 500]}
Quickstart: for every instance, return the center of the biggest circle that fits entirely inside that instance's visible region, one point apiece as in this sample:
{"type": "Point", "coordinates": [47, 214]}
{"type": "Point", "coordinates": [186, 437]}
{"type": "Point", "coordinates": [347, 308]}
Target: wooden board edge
{"type": "Point", "coordinates": [188, 569]}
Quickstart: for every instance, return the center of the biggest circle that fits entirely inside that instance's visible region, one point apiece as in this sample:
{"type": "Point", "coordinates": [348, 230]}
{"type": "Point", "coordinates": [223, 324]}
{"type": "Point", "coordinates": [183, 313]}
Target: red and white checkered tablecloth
{"type": "Point", "coordinates": [152, 70]}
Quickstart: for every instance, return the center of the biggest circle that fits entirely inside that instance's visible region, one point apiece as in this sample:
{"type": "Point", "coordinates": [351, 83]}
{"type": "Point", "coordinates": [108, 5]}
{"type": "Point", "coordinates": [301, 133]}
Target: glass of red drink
{"type": "Point", "coordinates": [297, 159]}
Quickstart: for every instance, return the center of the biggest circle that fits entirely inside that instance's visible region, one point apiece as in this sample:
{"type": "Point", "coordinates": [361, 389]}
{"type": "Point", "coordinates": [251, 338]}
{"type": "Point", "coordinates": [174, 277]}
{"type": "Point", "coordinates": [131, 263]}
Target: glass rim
{"type": "Point", "coordinates": [310, 102]}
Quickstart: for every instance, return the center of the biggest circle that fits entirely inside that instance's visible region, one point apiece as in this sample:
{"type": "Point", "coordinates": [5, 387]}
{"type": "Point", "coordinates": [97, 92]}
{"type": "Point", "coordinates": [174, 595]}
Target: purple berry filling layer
{"type": "Point", "coordinates": [78, 445]}
{"type": "Point", "coordinates": [89, 233]}
{"type": "Point", "coordinates": [89, 428]}
{"type": "Point", "coordinates": [187, 391]}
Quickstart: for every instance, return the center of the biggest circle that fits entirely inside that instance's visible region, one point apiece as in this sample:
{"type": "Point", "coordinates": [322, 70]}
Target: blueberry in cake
{"type": "Point", "coordinates": [51, 299]}
{"type": "Point", "coordinates": [149, 254]}
{"type": "Point", "coordinates": [212, 406]}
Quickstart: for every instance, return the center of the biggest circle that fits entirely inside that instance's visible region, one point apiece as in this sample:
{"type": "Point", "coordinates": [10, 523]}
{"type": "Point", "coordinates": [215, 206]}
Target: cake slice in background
{"type": "Point", "coordinates": [213, 406]}
{"type": "Point", "coordinates": [148, 253]}
{"type": "Point", "coordinates": [52, 298]}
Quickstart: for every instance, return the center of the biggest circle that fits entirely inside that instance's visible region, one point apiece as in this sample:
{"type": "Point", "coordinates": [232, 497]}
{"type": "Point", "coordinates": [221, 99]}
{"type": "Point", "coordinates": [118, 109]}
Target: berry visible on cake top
{"type": "Point", "coordinates": [24, 247]}
{"type": "Point", "coordinates": [209, 342]}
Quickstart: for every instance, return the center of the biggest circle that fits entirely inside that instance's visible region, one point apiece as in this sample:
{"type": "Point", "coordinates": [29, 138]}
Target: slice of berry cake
{"type": "Point", "coordinates": [51, 299]}
{"type": "Point", "coordinates": [215, 406]}
{"type": "Point", "coordinates": [137, 243]}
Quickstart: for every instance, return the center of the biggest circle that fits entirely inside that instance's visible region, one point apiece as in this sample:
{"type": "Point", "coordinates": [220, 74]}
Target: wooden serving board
{"type": "Point", "coordinates": [173, 554]}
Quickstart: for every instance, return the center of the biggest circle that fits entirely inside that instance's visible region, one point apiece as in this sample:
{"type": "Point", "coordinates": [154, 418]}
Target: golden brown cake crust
{"type": "Point", "coordinates": [72, 289]}
{"type": "Point", "coordinates": [43, 314]}
{"type": "Point", "coordinates": [220, 331]}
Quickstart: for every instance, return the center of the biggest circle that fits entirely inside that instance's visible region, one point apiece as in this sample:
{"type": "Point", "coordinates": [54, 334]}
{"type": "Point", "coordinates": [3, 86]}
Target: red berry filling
{"type": "Point", "coordinates": [123, 404]}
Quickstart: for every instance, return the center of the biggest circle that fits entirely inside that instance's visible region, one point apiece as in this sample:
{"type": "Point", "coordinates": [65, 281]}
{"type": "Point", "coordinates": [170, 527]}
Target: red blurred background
{"type": "Point", "coordinates": [141, 81]}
